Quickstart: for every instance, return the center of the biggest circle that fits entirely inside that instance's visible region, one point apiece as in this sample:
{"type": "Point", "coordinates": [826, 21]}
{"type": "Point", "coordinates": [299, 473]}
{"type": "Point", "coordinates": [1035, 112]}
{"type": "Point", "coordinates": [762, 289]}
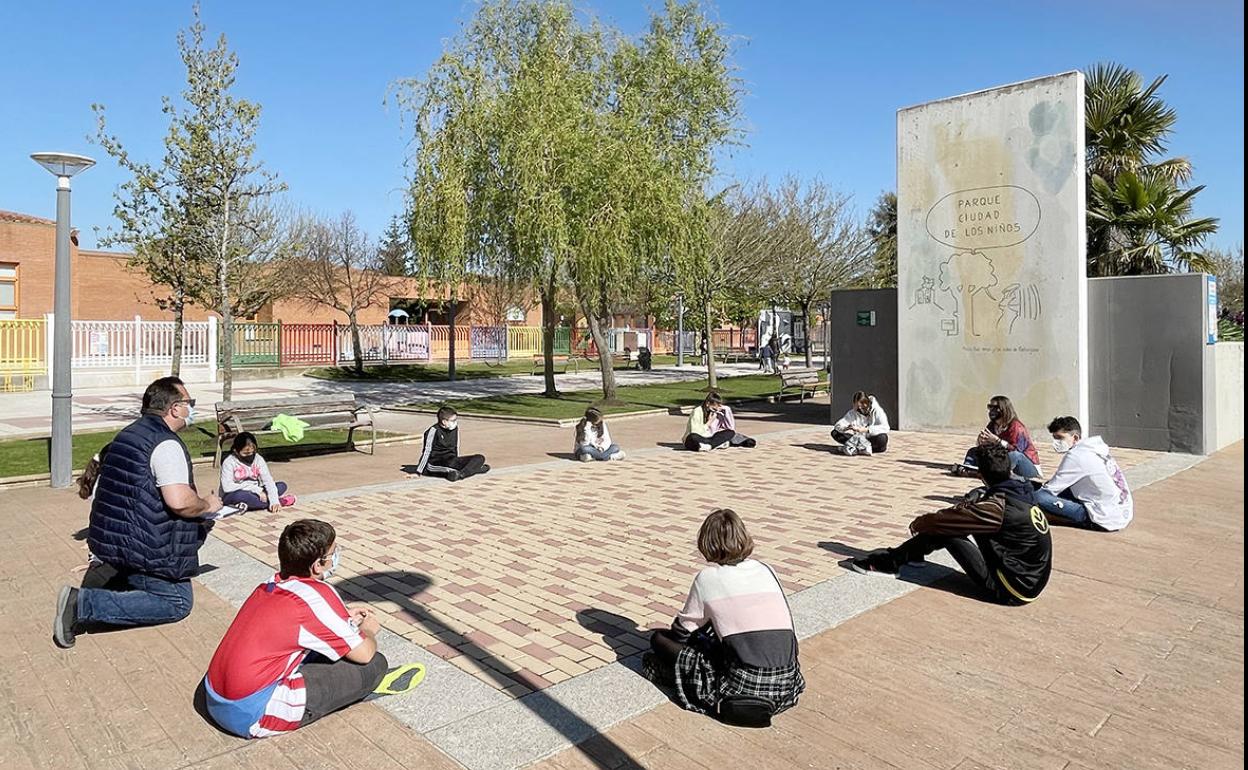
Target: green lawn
{"type": "Point", "coordinates": [473, 371]}
{"type": "Point", "coordinates": [631, 398]}
{"type": "Point", "coordinates": [25, 457]}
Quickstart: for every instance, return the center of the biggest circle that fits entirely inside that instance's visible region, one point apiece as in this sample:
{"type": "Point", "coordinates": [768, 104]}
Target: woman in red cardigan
{"type": "Point", "coordinates": [1006, 430]}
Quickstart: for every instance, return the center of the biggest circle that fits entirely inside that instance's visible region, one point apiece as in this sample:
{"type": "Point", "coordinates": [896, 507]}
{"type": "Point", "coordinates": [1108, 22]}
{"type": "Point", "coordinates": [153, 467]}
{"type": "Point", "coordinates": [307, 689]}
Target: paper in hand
{"type": "Point", "coordinates": [226, 511]}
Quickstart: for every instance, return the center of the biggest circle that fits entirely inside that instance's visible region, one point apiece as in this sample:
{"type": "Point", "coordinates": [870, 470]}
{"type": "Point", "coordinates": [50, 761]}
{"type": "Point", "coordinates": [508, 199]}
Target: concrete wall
{"type": "Point", "coordinates": [991, 242]}
{"type": "Point", "coordinates": [864, 357]}
{"type": "Point", "coordinates": [1228, 393]}
{"type": "Point", "coordinates": [1155, 381]}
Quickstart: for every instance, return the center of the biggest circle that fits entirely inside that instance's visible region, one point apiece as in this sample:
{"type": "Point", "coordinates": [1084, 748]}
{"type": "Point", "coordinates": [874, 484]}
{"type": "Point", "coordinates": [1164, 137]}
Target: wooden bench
{"type": "Point", "coordinates": [804, 380]}
{"type": "Point", "coordinates": [539, 363]}
{"type": "Point", "coordinates": [338, 411]}
{"type": "Point", "coordinates": [629, 358]}
{"type": "Point", "coordinates": [735, 356]}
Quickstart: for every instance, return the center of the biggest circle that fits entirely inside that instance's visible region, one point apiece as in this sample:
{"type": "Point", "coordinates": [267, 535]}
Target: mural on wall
{"type": "Point", "coordinates": [972, 296]}
{"type": "Point", "coordinates": [991, 271]}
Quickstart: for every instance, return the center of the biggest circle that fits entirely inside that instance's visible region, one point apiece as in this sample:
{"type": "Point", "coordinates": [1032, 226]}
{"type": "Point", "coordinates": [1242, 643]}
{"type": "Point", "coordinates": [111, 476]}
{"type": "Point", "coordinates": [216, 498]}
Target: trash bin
{"type": "Point", "coordinates": [643, 359]}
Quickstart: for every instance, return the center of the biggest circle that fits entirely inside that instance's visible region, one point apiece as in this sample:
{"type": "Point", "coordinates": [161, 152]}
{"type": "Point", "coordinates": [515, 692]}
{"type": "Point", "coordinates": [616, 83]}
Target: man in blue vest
{"type": "Point", "coordinates": [146, 523]}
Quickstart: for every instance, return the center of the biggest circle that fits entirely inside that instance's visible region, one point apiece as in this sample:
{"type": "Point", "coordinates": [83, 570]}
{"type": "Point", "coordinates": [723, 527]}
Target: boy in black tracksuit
{"type": "Point", "coordinates": [1009, 552]}
{"type": "Point", "coordinates": [440, 455]}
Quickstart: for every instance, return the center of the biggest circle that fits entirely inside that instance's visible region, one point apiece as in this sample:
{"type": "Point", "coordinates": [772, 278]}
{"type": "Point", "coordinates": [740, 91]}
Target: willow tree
{"type": "Point", "coordinates": [694, 98]}
{"type": "Point", "coordinates": [480, 195]}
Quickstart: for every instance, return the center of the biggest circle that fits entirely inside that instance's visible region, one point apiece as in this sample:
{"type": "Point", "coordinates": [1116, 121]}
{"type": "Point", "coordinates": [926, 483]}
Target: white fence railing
{"type": "Point", "coordinates": [385, 343]}
{"type": "Point", "coordinates": [124, 344]}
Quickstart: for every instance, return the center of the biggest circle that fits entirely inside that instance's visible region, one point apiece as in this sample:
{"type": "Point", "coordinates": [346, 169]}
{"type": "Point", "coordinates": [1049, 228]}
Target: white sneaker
{"type": "Point", "coordinates": [704, 447]}
{"type": "Point", "coordinates": [617, 456]}
{"type": "Point", "coordinates": [585, 458]}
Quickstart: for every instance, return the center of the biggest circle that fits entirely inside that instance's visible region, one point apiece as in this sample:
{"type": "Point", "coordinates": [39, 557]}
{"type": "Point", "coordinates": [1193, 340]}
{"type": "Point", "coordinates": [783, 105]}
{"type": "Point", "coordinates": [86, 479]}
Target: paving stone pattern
{"type": "Point", "coordinates": [527, 579]}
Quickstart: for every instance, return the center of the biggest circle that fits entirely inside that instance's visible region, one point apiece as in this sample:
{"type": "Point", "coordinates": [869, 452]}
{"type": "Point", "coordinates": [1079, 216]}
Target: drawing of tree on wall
{"type": "Point", "coordinates": [965, 276]}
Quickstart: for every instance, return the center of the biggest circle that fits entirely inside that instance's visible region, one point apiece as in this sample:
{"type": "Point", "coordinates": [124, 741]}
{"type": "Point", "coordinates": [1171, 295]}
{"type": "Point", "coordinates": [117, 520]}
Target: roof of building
{"type": "Point", "coordinates": [101, 253]}
{"type": "Point", "coordinates": [16, 216]}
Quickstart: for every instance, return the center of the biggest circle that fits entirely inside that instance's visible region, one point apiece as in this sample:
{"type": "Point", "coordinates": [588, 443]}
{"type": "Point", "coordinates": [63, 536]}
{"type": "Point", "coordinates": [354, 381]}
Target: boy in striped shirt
{"type": "Point", "coordinates": [294, 652]}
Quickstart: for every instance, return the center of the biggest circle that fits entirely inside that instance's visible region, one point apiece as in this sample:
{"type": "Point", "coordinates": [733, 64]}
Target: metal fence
{"type": "Point", "coordinates": [22, 354]}
{"type": "Point", "coordinates": [135, 344]}
{"type": "Point", "coordinates": [139, 343]}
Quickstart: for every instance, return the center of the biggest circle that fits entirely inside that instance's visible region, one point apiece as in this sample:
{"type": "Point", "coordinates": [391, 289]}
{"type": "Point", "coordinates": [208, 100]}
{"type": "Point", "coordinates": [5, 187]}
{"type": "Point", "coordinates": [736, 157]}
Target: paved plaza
{"type": "Point", "coordinates": [528, 592]}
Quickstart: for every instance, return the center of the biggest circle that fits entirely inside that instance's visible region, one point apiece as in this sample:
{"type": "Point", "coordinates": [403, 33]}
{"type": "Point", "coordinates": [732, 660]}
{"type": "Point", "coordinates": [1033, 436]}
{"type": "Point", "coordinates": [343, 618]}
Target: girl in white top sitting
{"type": "Point", "coordinates": [864, 428]}
{"type": "Point", "coordinates": [593, 440]}
{"type": "Point", "coordinates": [245, 478]}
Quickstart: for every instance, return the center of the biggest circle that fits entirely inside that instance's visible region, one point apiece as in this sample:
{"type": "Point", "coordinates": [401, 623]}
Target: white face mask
{"type": "Point", "coordinates": [1062, 445]}
{"type": "Point", "coordinates": [452, 424]}
{"type": "Point", "coordinates": [333, 564]}
{"type": "Point", "coordinates": [190, 415]}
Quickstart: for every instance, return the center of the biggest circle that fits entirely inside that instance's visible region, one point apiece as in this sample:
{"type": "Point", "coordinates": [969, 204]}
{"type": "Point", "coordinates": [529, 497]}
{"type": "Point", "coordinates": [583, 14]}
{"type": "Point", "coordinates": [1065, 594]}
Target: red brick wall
{"type": "Point", "coordinates": [105, 288]}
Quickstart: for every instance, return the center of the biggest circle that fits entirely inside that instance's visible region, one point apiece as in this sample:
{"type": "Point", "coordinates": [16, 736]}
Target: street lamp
{"type": "Point", "coordinates": [63, 165]}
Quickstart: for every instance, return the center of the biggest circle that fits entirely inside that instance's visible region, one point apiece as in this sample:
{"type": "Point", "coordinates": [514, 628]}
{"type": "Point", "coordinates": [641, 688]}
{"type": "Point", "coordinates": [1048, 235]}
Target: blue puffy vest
{"type": "Point", "coordinates": [131, 529]}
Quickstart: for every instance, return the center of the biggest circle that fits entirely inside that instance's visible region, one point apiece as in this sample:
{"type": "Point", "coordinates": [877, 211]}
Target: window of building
{"type": "Point", "coordinates": [8, 290]}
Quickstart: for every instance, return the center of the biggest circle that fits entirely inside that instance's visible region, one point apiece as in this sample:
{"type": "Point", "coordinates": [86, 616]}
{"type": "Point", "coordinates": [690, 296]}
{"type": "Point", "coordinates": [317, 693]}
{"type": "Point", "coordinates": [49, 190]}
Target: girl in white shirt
{"type": "Point", "coordinates": [593, 440]}
{"type": "Point", "coordinates": [864, 428]}
{"type": "Point", "coordinates": [245, 478]}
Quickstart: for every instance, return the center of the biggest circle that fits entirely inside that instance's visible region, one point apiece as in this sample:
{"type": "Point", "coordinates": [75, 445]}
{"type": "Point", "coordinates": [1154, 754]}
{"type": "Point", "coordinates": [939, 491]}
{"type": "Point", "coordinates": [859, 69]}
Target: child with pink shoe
{"type": "Point", "coordinates": [245, 478]}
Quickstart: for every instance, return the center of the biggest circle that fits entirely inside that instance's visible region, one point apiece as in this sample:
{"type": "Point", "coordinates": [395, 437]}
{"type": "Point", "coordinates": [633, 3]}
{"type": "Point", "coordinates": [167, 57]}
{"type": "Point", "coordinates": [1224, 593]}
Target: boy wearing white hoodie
{"type": "Point", "coordinates": [1088, 490]}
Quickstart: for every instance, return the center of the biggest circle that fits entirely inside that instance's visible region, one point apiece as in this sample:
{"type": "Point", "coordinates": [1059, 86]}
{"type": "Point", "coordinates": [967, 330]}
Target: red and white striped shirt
{"type": "Point", "coordinates": [279, 624]}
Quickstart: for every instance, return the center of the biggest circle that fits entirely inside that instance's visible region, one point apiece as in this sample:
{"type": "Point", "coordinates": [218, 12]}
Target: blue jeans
{"type": "Point", "coordinates": [1063, 506]}
{"type": "Point", "coordinates": [595, 453]}
{"type": "Point", "coordinates": [1020, 464]}
{"type": "Point", "coordinates": [251, 499]}
{"type": "Point", "coordinates": [137, 600]}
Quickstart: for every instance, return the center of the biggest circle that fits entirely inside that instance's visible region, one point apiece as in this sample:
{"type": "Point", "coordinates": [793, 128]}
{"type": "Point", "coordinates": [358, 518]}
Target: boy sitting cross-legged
{"type": "Point", "coordinates": [440, 454]}
{"type": "Point", "coordinates": [294, 652]}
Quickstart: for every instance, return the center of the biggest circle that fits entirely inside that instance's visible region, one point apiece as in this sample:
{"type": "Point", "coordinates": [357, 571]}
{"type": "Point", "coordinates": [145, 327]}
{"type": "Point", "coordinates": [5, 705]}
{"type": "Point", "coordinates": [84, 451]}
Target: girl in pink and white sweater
{"type": "Point", "coordinates": [245, 478]}
{"type": "Point", "coordinates": [733, 642]}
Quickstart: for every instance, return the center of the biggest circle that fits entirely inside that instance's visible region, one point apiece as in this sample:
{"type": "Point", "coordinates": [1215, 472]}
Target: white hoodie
{"type": "Point", "coordinates": [1095, 480]}
{"type": "Point", "coordinates": [599, 442]}
{"type": "Point", "coordinates": [876, 424]}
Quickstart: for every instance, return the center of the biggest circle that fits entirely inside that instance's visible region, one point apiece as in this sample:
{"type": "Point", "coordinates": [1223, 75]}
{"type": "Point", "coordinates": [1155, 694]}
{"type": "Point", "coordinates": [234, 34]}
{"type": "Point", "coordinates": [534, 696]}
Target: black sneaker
{"type": "Point", "coordinates": [484, 469]}
{"type": "Point", "coordinates": [452, 475]}
{"type": "Point", "coordinates": [66, 617]}
{"type": "Point", "coordinates": [875, 563]}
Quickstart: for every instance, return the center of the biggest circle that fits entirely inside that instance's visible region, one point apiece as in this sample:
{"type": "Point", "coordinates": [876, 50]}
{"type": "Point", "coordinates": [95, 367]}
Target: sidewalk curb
{"type": "Point", "coordinates": [567, 422]}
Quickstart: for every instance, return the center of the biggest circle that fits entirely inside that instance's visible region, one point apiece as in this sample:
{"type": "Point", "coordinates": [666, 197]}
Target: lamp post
{"type": "Point", "coordinates": [63, 166]}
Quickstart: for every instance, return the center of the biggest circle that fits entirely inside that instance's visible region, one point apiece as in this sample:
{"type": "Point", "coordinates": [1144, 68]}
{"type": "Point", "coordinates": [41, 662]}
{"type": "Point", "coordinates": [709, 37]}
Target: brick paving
{"type": "Point", "coordinates": [526, 580]}
{"type": "Point", "coordinates": [1132, 658]}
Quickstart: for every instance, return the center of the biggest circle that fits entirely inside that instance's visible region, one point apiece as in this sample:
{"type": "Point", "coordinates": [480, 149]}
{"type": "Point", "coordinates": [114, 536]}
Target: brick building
{"type": "Point", "coordinates": [106, 288]}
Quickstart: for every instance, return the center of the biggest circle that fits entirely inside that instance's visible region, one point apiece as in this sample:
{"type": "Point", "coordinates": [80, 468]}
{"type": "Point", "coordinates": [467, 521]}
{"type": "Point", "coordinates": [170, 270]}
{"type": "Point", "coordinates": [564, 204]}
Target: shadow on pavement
{"type": "Point", "coordinates": [603, 752]}
{"type": "Point", "coordinates": [927, 574]}
{"type": "Point", "coordinates": [610, 626]}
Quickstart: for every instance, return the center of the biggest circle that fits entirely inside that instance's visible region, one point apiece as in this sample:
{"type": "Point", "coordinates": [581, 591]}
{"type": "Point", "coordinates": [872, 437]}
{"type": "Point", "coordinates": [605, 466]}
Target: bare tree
{"type": "Point", "coordinates": [339, 267]}
{"type": "Point", "coordinates": [818, 245]}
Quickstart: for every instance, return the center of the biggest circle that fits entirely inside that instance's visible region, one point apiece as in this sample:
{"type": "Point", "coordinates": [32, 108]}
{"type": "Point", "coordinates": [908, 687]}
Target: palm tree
{"type": "Point", "coordinates": [1139, 213]}
{"type": "Point", "coordinates": [1142, 225]}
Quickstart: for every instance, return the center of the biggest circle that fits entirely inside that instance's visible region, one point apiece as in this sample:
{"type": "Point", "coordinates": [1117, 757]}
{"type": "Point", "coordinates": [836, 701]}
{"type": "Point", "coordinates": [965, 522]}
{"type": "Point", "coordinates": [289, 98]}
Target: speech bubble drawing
{"type": "Point", "coordinates": [984, 217]}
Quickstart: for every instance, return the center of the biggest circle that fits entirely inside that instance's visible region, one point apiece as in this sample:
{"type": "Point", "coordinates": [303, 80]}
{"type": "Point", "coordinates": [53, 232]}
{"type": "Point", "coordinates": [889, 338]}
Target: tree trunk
{"type": "Point", "coordinates": [712, 381]}
{"type": "Point", "coordinates": [179, 302]}
{"type": "Point", "coordinates": [806, 331]}
{"type": "Point", "coordinates": [548, 340]}
{"type": "Point", "coordinates": [227, 337]}
{"type": "Point", "coordinates": [356, 347]}
{"type": "Point", "coordinates": [450, 366]}
{"type": "Point", "coordinates": [227, 317]}
{"type": "Point", "coordinates": [604, 355]}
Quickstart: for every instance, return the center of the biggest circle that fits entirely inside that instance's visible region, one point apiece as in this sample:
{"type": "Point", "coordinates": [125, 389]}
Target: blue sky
{"type": "Point", "coordinates": [824, 81]}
